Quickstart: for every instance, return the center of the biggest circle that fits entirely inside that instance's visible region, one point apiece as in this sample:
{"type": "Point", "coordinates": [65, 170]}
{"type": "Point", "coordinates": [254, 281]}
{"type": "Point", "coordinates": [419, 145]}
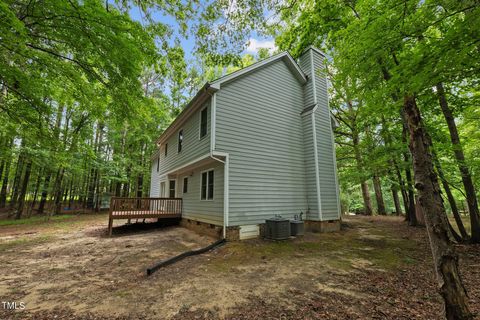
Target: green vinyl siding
{"type": "Point", "coordinates": [209, 211]}
{"type": "Point", "coordinates": [193, 146]}
{"type": "Point", "coordinates": [258, 123]}
{"type": "Point", "coordinates": [325, 147]}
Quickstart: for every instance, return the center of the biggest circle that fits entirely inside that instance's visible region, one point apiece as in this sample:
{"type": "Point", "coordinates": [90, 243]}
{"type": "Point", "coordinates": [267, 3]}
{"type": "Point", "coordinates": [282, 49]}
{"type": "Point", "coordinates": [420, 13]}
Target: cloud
{"type": "Point", "coordinates": [254, 45]}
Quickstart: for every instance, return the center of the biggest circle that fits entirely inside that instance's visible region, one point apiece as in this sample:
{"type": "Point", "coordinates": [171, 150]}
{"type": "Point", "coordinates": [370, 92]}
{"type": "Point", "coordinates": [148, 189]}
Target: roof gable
{"type": "Point", "coordinates": [285, 56]}
{"type": "Point", "coordinates": [210, 87]}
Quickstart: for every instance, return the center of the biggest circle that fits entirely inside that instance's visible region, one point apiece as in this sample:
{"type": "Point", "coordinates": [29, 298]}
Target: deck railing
{"type": "Point", "coordinates": [138, 208]}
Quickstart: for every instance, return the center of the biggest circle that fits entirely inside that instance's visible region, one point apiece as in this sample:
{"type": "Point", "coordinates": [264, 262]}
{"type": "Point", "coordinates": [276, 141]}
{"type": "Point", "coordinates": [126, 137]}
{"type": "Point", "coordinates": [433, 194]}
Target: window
{"type": "Point", "coordinates": [185, 185]}
{"type": "Point", "coordinates": [171, 193]}
{"type": "Point", "coordinates": [180, 140]}
{"type": "Point", "coordinates": [206, 192]}
{"type": "Point", "coordinates": [210, 185]}
{"type": "Point", "coordinates": [166, 149]}
{"type": "Point", "coordinates": [158, 163]}
{"type": "Point", "coordinates": [203, 122]}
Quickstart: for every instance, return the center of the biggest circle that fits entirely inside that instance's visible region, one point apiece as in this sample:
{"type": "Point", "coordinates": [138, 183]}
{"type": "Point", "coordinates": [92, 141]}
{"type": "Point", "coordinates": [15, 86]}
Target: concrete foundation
{"type": "Point", "coordinates": [322, 226]}
{"type": "Point", "coordinates": [212, 230]}
{"type": "Point", "coordinates": [233, 233]}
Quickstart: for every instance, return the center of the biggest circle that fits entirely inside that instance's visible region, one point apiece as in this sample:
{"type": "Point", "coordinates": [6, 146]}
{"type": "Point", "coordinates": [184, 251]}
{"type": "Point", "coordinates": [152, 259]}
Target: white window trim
{"type": "Point", "coordinates": [200, 124]}
{"type": "Point", "coordinates": [168, 188]}
{"type": "Point", "coordinates": [163, 194]}
{"type": "Point", "coordinates": [201, 173]}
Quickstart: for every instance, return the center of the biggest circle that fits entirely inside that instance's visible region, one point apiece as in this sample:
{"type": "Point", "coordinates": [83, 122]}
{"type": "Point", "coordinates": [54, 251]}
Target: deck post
{"type": "Point", "coordinates": [110, 218]}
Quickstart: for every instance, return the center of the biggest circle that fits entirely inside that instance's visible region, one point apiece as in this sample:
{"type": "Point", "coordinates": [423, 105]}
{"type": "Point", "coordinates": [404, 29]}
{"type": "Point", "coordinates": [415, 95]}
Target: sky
{"type": "Point", "coordinates": [255, 42]}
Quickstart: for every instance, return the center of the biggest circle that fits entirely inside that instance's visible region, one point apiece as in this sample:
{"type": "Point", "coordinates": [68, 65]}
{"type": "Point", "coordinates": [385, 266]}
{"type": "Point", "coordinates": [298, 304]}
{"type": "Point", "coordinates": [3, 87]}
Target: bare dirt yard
{"type": "Point", "coordinates": [375, 268]}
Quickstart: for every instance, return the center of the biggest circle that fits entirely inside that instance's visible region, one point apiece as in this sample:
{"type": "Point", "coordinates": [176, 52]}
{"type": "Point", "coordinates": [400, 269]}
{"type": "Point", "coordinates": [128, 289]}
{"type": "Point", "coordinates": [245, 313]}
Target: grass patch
{"type": "Point", "coordinates": [35, 220]}
{"type": "Point", "coordinates": [21, 242]}
{"type": "Point", "coordinates": [344, 250]}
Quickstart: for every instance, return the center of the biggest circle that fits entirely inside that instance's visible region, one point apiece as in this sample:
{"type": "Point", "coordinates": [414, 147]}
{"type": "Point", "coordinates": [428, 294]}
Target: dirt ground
{"type": "Point", "coordinates": [375, 268]}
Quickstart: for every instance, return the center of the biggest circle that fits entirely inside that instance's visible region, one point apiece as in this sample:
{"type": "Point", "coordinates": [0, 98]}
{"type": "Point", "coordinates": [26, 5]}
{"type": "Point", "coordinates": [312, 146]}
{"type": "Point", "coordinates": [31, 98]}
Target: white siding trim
{"type": "Point", "coordinates": [226, 194]}
{"type": "Point", "coordinates": [314, 131]}
{"type": "Point", "coordinates": [313, 78]}
{"type": "Point", "coordinates": [317, 171]}
{"type": "Point", "coordinates": [213, 119]}
{"type": "Point", "coordinates": [337, 187]}
{"type": "Point", "coordinates": [299, 73]}
{"type": "Point", "coordinates": [315, 49]}
{"type": "Point", "coordinates": [226, 191]}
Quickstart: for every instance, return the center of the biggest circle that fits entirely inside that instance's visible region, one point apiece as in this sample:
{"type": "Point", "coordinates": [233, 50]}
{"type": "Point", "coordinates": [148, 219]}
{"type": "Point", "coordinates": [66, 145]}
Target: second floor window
{"type": "Point", "coordinates": [166, 149]}
{"type": "Point", "coordinates": [180, 140]}
{"type": "Point", "coordinates": [158, 163]}
{"type": "Point", "coordinates": [203, 122]}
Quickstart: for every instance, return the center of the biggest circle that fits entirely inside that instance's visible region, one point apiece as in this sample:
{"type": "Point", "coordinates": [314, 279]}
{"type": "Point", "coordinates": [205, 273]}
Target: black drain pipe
{"type": "Point", "coordinates": [181, 256]}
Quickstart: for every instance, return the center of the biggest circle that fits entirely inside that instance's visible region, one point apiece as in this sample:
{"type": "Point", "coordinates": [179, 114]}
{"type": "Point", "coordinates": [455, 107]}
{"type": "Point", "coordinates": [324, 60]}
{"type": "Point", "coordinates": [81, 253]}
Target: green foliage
{"type": "Point", "coordinates": [85, 92]}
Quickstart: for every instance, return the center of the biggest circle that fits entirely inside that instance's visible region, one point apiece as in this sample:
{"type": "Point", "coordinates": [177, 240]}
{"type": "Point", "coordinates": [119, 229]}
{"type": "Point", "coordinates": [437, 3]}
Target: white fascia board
{"type": "Point", "coordinates": [284, 55]}
{"type": "Point", "coordinates": [335, 121]}
{"type": "Point", "coordinates": [213, 121]}
{"type": "Point", "coordinates": [316, 50]}
{"type": "Point", "coordinates": [312, 66]}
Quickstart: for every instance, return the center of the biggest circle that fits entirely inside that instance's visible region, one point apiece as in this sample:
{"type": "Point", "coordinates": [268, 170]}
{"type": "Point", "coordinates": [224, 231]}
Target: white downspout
{"type": "Point", "coordinates": [213, 122]}
{"type": "Point", "coordinates": [225, 191]}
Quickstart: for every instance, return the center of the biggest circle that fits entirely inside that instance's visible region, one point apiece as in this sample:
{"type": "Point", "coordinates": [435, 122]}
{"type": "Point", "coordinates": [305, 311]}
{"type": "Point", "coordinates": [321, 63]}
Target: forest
{"type": "Point", "coordinates": [88, 86]}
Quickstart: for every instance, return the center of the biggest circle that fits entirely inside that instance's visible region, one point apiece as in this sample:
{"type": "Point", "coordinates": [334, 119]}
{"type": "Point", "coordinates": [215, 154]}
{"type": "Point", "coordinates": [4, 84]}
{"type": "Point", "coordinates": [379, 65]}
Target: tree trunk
{"type": "Point", "coordinates": [401, 183]}
{"type": "Point", "coordinates": [43, 199]}
{"type": "Point", "coordinates": [140, 185]}
{"type": "Point", "coordinates": [91, 189]}
{"type": "Point", "coordinates": [451, 199]}
{"type": "Point", "coordinates": [378, 195]}
{"type": "Point", "coordinates": [23, 190]}
{"type": "Point", "coordinates": [126, 185]}
{"type": "Point", "coordinates": [118, 188]}
{"type": "Point", "coordinates": [396, 201]}
{"type": "Point", "coordinates": [17, 180]}
{"type": "Point", "coordinates": [35, 193]}
{"type": "Point", "coordinates": [3, 190]}
{"type": "Point", "coordinates": [58, 191]}
{"type": "Point", "coordinates": [411, 216]}
{"type": "Point", "coordinates": [98, 193]}
{"type": "Point", "coordinates": [70, 193]}
{"type": "Point", "coordinates": [444, 256]}
{"type": "Point", "coordinates": [462, 166]}
{"type": "Point", "coordinates": [2, 166]}
{"type": "Point", "coordinates": [367, 202]}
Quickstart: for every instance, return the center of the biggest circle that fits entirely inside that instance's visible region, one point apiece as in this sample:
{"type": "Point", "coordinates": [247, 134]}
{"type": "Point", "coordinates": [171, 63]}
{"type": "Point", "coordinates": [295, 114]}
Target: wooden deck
{"type": "Point", "coordinates": [143, 208]}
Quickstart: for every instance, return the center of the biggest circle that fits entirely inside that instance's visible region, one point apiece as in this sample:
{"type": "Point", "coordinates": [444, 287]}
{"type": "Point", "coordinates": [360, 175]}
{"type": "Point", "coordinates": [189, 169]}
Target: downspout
{"type": "Point", "coordinates": [213, 113]}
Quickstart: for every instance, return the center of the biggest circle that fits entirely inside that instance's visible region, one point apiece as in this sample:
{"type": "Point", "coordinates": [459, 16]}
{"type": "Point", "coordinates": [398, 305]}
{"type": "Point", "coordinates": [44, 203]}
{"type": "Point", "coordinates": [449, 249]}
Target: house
{"type": "Point", "coordinates": [251, 145]}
